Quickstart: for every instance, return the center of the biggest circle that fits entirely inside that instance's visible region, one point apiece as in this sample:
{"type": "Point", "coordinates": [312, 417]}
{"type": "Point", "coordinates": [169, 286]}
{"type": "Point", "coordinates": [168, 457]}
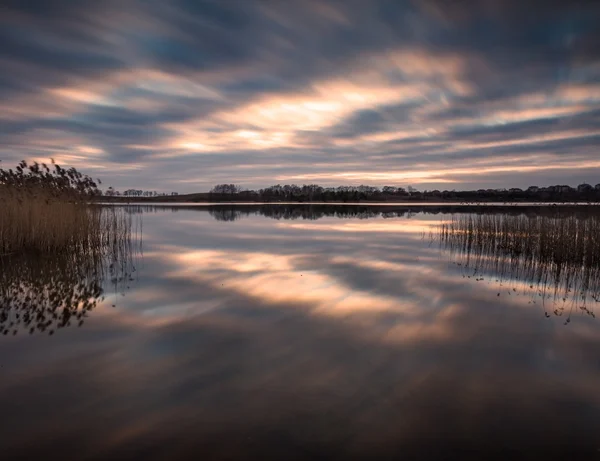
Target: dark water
{"type": "Point", "coordinates": [291, 333]}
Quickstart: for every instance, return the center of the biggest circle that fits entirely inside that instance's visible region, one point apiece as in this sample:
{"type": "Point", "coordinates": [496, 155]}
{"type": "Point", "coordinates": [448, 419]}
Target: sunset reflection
{"type": "Point", "coordinates": [244, 326]}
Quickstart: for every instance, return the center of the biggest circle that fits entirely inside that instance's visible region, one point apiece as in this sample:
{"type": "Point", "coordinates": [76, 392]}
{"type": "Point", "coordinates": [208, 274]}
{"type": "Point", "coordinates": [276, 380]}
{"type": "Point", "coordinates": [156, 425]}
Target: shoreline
{"type": "Point", "coordinates": [379, 204]}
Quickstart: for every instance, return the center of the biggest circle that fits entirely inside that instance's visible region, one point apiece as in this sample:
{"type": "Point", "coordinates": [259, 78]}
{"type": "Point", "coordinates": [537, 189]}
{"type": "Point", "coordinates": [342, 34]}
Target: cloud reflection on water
{"type": "Point", "coordinates": [227, 347]}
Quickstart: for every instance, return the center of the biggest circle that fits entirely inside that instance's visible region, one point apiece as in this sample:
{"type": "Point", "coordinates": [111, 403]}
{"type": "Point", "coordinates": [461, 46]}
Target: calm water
{"type": "Point", "coordinates": [297, 334]}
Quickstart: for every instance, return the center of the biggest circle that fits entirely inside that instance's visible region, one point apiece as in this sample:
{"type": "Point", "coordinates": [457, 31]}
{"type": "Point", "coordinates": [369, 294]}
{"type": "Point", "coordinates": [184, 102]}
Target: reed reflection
{"type": "Point", "coordinates": [45, 293]}
{"type": "Point", "coordinates": [553, 258]}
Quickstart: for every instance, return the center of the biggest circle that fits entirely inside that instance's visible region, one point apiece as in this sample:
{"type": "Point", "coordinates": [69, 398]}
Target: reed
{"type": "Point", "coordinates": [58, 251]}
{"type": "Point", "coordinates": [558, 256]}
{"type": "Point", "coordinates": [47, 292]}
{"type": "Point", "coordinates": [47, 209]}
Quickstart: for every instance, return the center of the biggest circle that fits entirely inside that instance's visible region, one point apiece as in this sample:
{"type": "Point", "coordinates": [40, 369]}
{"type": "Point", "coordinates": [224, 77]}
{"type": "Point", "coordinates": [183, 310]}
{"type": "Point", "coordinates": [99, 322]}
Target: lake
{"type": "Point", "coordinates": [299, 332]}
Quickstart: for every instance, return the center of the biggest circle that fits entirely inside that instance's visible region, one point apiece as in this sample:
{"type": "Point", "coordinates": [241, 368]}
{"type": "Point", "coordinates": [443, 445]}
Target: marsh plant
{"type": "Point", "coordinates": [47, 292]}
{"type": "Point", "coordinates": [555, 257]}
{"type": "Point", "coordinates": [58, 250]}
{"type": "Point", "coordinates": [47, 209]}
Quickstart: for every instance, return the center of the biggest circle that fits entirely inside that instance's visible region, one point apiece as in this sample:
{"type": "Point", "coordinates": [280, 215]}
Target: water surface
{"type": "Point", "coordinates": [302, 333]}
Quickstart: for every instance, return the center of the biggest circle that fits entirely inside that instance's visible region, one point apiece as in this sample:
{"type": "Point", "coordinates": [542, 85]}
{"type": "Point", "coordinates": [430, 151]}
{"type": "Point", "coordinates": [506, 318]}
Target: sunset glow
{"type": "Point", "coordinates": [185, 95]}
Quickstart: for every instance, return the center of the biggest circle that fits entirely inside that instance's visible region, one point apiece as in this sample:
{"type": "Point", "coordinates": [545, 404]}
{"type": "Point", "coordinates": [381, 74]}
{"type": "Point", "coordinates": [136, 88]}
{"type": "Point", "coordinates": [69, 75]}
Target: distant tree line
{"type": "Point", "coordinates": [316, 193]}
{"type": "Point", "coordinates": [559, 193]}
{"type": "Point", "coordinates": [110, 192]}
{"type": "Point", "coordinates": [306, 193]}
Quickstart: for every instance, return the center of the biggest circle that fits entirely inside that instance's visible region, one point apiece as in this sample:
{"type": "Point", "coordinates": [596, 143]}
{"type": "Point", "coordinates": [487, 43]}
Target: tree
{"type": "Point", "coordinates": [229, 189]}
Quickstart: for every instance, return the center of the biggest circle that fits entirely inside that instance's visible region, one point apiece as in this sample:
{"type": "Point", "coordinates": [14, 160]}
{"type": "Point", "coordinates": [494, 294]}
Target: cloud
{"type": "Point", "coordinates": [187, 94]}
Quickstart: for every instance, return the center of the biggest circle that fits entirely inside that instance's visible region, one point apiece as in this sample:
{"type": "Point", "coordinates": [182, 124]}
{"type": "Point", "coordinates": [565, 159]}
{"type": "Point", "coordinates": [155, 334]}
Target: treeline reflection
{"type": "Point", "coordinates": [46, 293]}
{"type": "Point", "coordinates": [553, 258]}
{"type": "Point", "coordinates": [319, 211]}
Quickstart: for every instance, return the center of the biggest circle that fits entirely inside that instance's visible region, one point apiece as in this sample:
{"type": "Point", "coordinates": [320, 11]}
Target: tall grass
{"type": "Point", "coordinates": [58, 251]}
{"type": "Point", "coordinates": [556, 255]}
{"type": "Point", "coordinates": [47, 292]}
{"type": "Point", "coordinates": [46, 209]}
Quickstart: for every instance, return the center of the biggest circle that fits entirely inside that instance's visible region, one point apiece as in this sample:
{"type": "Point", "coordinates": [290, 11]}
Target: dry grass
{"type": "Point", "coordinates": [57, 250]}
{"type": "Point", "coordinates": [47, 292]}
{"type": "Point", "coordinates": [47, 210]}
{"type": "Point", "coordinates": [33, 224]}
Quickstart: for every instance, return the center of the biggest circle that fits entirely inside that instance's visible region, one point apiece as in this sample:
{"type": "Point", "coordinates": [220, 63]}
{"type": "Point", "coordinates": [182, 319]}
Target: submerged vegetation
{"type": "Point", "coordinates": [556, 258]}
{"type": "Point", "coordinates": [46, 209]}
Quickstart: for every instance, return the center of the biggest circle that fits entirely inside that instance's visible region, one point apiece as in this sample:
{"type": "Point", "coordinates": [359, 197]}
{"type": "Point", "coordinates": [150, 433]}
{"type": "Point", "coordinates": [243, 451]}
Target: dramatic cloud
{"type": "Point", "coordinates": [180, 94]}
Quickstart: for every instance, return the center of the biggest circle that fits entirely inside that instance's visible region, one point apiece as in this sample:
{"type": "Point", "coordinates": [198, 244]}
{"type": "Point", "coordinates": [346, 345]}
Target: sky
{"type": "Point", "coordinates": [180, 95]}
